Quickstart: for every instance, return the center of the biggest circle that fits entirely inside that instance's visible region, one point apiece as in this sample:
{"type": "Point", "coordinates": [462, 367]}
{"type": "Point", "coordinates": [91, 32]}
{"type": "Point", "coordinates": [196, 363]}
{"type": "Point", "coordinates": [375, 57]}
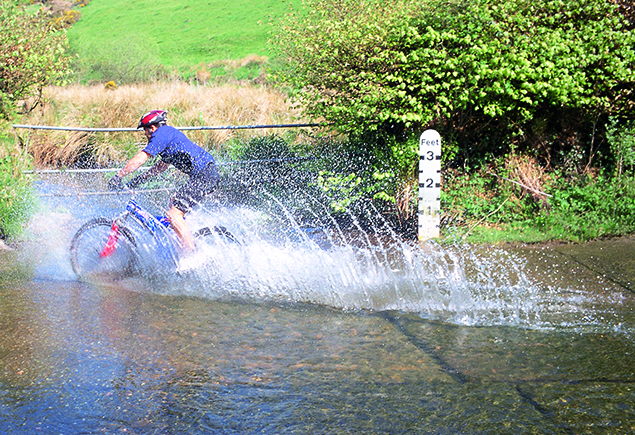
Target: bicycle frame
{"type": "Point", "coordinates": [157, 226]}
{"type": "Point", "coordinates": [137, 241]}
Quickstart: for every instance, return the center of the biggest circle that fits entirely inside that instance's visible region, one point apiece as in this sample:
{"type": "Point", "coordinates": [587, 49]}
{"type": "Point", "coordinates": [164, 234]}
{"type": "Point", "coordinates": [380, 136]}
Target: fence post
{"type": "Point", "coordinates": [429, 218]}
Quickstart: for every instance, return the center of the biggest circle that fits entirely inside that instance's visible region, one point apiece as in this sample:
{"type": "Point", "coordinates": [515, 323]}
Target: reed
{"type": "Point", "coordinates": [121, 106]}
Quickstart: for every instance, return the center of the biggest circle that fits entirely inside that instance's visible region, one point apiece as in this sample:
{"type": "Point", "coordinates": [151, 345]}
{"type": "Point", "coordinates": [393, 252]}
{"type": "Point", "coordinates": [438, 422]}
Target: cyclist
{"type": "Point", "coordinates": [175, 149]}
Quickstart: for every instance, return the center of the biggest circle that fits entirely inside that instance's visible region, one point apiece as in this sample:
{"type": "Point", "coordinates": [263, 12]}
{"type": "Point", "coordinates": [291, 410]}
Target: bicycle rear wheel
{"type": "Point", "coordinates": [216, 233]}
{"type": "Point", "coordinates": [87, 251]}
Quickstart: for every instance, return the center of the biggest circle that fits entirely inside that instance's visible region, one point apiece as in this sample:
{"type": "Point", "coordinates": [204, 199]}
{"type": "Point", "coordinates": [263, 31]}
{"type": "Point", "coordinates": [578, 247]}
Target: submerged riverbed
{"type": "Point", "coordinates": [285, 335]}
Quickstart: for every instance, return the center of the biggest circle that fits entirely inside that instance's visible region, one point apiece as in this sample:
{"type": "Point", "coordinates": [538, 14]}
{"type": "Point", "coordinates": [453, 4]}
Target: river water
{"type": "Point", "coordinates": [293, 333]}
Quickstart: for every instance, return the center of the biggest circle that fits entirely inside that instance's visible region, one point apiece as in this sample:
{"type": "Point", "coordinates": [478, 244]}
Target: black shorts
{"type": "Point", "coordinates": [196, 189]}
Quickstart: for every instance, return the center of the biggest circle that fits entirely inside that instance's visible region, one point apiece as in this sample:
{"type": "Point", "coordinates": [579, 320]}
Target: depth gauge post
{"type": "Point", "coordinates": [429, 218]}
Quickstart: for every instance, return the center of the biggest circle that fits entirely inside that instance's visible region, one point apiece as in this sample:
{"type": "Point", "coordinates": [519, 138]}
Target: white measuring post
{"type": "Point", "coordinates": [429, 185]}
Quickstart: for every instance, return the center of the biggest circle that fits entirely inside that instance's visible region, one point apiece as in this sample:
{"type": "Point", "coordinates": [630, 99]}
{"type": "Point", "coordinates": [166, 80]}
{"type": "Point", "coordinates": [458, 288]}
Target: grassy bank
{"type": "Point", "coordinates": [498, 204]}
{"type": "Point", "coordinates": [140, 41]}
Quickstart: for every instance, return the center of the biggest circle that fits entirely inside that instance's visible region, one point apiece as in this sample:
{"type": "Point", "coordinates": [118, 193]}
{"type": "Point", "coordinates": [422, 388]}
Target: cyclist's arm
{"type": "Point", "coordinates": [134, 163]}
{"type": "Point", "coordinates": [157, 168]}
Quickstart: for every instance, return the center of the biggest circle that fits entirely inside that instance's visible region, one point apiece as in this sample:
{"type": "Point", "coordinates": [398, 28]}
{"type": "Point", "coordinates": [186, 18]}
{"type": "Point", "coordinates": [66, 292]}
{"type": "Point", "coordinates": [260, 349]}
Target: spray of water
{"type": "Point", "coordinates": [456, 284]}
{"type": "Point", "coordinates": [278, 258]}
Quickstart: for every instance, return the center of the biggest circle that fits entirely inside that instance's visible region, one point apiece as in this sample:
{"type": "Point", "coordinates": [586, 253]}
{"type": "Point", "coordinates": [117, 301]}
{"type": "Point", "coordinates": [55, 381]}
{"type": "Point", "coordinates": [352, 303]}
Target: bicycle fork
{"type": "Point", "coordinates": [111, 244]}
{"type": "Point", "coordinates": [113, 237]}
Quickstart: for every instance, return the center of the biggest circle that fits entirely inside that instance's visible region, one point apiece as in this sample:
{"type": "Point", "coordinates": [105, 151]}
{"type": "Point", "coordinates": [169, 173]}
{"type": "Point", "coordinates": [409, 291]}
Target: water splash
{"type": "Point", "coordinates": [456, 284]}
{"type": "Point", "coordinates": [278, 259]}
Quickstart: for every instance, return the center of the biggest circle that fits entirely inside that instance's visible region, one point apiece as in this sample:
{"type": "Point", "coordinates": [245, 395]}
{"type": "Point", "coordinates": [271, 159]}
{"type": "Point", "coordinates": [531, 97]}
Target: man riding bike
{"type": "Point", "coordinates": [175, 149]}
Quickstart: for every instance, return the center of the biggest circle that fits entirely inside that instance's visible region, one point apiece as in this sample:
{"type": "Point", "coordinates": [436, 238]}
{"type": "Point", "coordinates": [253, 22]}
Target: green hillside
{"type": "Point", "coordinates": [176, 34]}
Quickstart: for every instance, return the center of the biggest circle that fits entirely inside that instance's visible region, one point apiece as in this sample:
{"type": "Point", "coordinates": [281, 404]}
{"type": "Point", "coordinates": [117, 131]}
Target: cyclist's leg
{"type": "Point", "coordinates": [177, 220]}
{"type": "Point", "coordinates": [184, 199]}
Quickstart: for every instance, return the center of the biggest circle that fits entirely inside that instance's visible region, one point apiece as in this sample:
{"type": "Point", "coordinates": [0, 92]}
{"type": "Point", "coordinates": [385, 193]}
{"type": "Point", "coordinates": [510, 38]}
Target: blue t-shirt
{"type": "Point", "coordinates": [176, 149]}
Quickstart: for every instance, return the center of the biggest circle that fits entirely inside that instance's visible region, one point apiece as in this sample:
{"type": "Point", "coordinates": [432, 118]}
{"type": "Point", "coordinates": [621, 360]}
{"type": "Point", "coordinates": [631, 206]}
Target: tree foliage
{"type": "Point", "coordinates": [493, 74]}
{"type": "Point", "coordinates": [339, 57]}
{"type": "Point", "coordinates": [31, 55]}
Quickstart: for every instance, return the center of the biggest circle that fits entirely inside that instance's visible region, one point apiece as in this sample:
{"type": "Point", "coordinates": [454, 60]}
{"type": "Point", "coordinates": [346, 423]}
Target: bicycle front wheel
{"type": "Point", "coordinates": [96, 253]}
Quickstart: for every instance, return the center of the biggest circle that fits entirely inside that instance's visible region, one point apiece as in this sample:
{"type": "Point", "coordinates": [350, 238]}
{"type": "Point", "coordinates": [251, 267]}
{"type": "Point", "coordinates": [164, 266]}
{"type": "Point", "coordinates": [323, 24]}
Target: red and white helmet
{"type": "Point", "coordinates": [153, 117]}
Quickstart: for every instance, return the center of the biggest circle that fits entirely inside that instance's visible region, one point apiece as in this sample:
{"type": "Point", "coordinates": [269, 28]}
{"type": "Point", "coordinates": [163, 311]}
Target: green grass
{"type": "Point", "coordinates": [581, 209]}
{"type": "Point", "coordinates": [16, 198]}
{"type": "Point", "coordinates": [179, 33]}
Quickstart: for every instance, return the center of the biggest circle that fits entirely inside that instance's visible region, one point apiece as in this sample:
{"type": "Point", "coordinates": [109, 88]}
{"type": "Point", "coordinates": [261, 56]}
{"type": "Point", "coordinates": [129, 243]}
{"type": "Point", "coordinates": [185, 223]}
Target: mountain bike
{"type": "Point", "coordinates": [134, 241]}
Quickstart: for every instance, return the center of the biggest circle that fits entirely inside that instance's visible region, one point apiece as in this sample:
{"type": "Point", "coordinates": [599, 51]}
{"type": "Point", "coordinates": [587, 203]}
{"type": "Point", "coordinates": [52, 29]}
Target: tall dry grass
{"type": "Point", "coordinates": [187, 105]}
{"type": "Point", "coordinates": [528, 174]}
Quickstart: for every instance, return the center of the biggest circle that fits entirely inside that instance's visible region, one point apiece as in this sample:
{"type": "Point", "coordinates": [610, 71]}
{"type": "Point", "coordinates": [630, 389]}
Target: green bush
{"type": "Point", "coordinates": [371, 170]}
{"type": "Point", "coordinates": [621, 139]}
{"type": "Point", "coordinates": [262, 162]}
{"type": "Point", "coordinates": [16, 197]}
{"type": "Point", "coordinates": [264, 148]}
{"type": "Point", "coordinates": [589, 209]}
{"type": "Point", "coordinates": [31, 55]}
{"type": "Point", "coordinates": [493, 76]}
{"type": "Point", "coordinates": [579, 209]}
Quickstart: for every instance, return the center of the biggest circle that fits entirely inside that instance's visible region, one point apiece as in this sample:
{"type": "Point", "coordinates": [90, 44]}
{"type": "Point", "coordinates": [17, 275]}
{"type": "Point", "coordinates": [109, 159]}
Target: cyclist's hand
{"type": "Point", "coordinates": [115, 183]}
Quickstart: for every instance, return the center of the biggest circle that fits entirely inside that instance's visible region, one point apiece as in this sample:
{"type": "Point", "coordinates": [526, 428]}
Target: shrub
{"type": "Point", "coordinates": [16, 197]}
{"type": "Point", "coordinates": [31, 55]}
{"type": "Point", "coordinates": [590, 208]}
{"type": "Point", "coordinates": [621, 139]}
{"type": "Point", "coordinates": [493, 75]}
{"type": "Point", "coordinates": [266, 147]}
